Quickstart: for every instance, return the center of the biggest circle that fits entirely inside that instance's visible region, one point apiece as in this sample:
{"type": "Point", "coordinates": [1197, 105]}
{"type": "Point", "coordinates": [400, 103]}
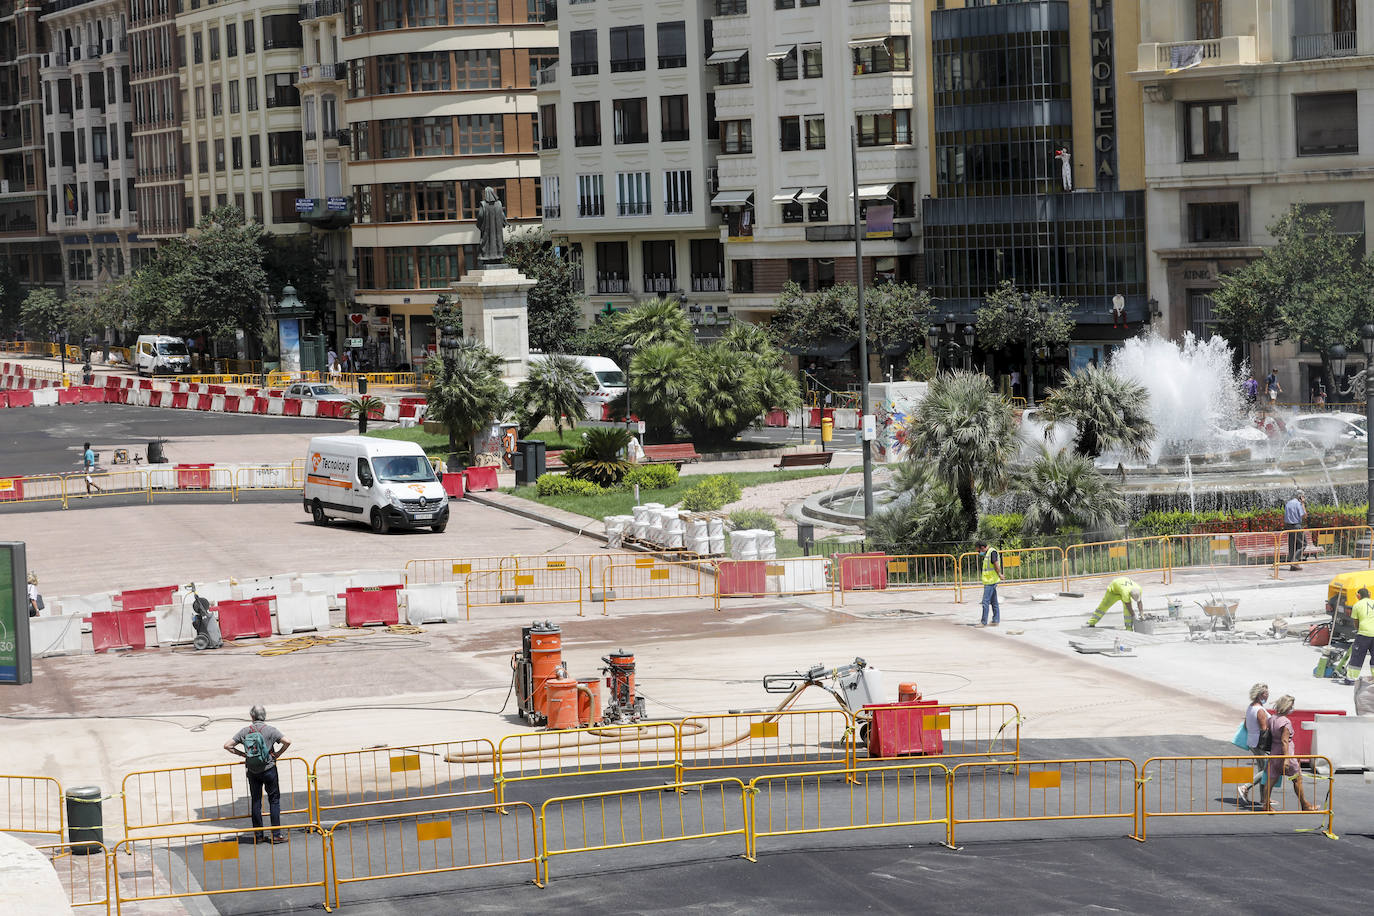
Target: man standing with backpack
{"type": "Point", "coordinates": [260, 752]}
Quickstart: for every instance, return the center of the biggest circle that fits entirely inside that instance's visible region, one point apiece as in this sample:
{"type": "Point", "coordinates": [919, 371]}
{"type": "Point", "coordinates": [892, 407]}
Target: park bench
{"type": "Point", "coordinates": [676, 455]}
{"type": "Point", "coordinates": [1263, 546]}
{"type": "Point", "coordinates": [806, 460]}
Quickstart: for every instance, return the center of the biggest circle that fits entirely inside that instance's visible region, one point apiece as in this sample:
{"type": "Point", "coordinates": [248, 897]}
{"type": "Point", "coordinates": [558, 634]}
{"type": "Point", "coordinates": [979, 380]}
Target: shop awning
{"type": "Point", "coordinates": [810, 195]}
{"type": "Point", "coordinates": [869, 42]}
{"type": "Point", "coordinates": [781, 52]}
{"type": "Point", "coordinates": [874, 191]}
{"type": "Point", "coordinates": [825, 348]}
{"type": "Point", "coordinates": [726, 57]}
{"type": "Point", "coordinates": [786, 195]}
{"type": "Point", "coordinates": [732, 199]}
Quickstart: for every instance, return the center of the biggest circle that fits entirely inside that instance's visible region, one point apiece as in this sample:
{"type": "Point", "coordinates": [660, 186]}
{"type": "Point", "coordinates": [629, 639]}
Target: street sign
{"type": "Point", "coordinates": [304, 204]}
{"type": "Point", "coordinates": [337, 203]}
{"type": "Point", "coordinates": [353, 342]}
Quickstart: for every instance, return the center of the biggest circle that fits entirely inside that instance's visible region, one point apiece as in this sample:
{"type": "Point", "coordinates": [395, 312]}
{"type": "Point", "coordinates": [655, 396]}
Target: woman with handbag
{"type": "Point", "coordinates": [1282, 730]}
{"type": "Point", "coordinates": [35, 599]}
{"type": "Point", "coordinates": [1257, 739]}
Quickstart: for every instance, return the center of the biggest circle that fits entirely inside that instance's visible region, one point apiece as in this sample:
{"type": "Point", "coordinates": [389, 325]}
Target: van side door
{"type": "Point", "coordinates": [365, 479]}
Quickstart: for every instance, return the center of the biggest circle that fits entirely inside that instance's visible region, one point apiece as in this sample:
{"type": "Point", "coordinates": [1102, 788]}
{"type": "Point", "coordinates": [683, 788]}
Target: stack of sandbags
{"type": "Point", "coordinates": [617, 527]}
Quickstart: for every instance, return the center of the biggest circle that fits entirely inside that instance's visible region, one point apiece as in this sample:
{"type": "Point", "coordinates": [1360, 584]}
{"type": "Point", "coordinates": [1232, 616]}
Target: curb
{"type": "Point", "coordinates": [535, 516]}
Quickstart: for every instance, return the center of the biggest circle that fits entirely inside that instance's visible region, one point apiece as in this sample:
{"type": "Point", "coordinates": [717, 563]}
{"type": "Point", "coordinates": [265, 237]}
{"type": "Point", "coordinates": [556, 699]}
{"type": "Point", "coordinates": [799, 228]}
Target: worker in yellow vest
{"type": "Point", "coordinates": [1363, 615]}
{"type": "Point", "coordinates": [1127, 592]}
{"type": "Point", "coordinates": [992, 574]}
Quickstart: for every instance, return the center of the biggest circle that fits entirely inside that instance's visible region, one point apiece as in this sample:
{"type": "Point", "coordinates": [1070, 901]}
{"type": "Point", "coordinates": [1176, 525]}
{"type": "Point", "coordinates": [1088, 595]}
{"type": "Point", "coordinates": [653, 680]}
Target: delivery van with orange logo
{"type": "Point", "coordinates": [381, 482]}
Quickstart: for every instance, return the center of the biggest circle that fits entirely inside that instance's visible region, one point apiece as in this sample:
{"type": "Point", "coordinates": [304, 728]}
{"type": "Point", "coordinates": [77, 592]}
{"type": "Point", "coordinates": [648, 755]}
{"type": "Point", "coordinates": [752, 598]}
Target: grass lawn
{"type": "Point", "coordinates": [436, 444]}
{"type": "Point", "coordinates": [621, 502]}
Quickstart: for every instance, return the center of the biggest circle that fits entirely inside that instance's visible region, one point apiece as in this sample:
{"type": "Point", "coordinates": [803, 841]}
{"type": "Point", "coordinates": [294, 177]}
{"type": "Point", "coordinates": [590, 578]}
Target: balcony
{"type": "Point", "coordinates": [591, 208]}
{"type": "Point", "coordinates": [707, 283]}
{"type": "Point", "coordinates": [547, 142]}
{"type": "Point", "coordinates": [1326, 44]}
{"type": "Point", "coordinates": [634, 208]}
{"type": "Point", "coordinates": [321, 8]}
{"type": "Point", "coordinates": [1177, 56]}
{"type": "Point", "coordinates": [328, 212]}
{"type": "Point", "coordinates": [323, 72]}
{"type": "Point", "coordinates": [626, 64]}
{"type": "Point", "coordinates": [612, 284]}
{"type": "Point", "coordinates": [659, 283]}
{"type": "Point", "coordinates": [553, 211]}
{"type": "Point", "coordinates": [547, 76]}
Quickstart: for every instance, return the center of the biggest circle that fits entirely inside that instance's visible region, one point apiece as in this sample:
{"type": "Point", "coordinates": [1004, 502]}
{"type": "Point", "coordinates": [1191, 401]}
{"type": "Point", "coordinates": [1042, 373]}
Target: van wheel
{"type": "Point", "coordinates": [379, 523]}
{"type": "Point", "coordinates": [438, 529]}
{"type": "Point", "coordinates": [317, 513]}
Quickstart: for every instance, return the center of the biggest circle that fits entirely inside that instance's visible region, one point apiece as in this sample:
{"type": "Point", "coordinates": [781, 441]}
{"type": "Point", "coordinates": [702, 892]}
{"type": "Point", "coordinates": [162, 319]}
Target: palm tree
{"type": "Point", "coordinates": [1065, 490]}
{"type": "Point", "coordinates": [555, 388]}
{"type": "Point", "coordinates": [1108, 411]}
{"type": "Point", "coordinates": [657, 387]}
{"type": "Point", "coordinates": [925, 514]}
{"type": "Point", "coordinates": [654, 321]}
{"type": "Point", "coordinates": [600, 457]}
{"type": "Point", "coordinates": [966, 430]}
{"type": "Point", "coordinates": [466, 392]}
{"type": "Point", "coordinates": [365, 407]}
{"type": "Point", "coordinates": [747, 337]}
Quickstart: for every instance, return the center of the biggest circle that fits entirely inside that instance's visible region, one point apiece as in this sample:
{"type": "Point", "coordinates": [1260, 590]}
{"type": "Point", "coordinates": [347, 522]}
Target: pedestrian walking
{"type": "Point", "coordinates": [1363, 615]}
{"type": "Point", "coordinates": [1257, 739]}
{"type": "Point", "coordinates": [333, 360]}
{"type": "Point", "coordinates": [1294, 515]}
{"type": "Point", "coordinates": [1251, 390]}
{"type": "Point", "coordinates": [992, 574]}
{"type": "Point", "coordinates": [1127, 592]}
{"type": "Point", "coordinates": [1272, 387]}
{"type": "Point", "coordinates": [1281, 761]}
{"type": "Point", "coordinates": [35, 599]}
{"type": "Point", "coordinates": [88, 467]}
{"type": "Point", "coordinates": [262, 745]}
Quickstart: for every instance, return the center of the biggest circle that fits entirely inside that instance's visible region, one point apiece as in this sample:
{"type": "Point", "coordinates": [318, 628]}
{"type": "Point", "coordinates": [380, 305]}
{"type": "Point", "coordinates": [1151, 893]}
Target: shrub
{"type": "Point", "coordinates": [598, 458]}
{"type": "Point", "coordinates": [562, 485]}
{"type": "Point", "coordinates": [651, 476]}
{"type": "Point", "coordinates": [710, 494]}
{"type": "Point", "coordinates": [1002, 531]}
{"type": "Point", "coordinates": [753, 519]}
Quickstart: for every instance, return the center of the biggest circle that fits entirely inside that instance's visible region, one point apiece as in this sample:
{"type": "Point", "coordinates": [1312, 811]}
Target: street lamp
{"type": "Point", "coordinates": [945, 338]}
{"type": "Point", "coordinates": [1338, 360]}
{"type": "Point", "coordinates": [626, 349]}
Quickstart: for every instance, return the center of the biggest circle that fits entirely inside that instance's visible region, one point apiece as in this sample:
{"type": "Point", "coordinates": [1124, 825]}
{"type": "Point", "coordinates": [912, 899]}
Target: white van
{"type": "Point", "coordinates": [610, 383]}
{"type": "Point", "coordinates": [154, 353]}
{"type": "Point", "coordinates": [382, 482]}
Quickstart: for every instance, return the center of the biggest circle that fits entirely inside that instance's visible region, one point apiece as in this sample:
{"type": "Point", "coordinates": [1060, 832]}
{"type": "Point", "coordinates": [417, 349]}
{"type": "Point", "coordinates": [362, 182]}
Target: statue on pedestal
{"type": "Point", "coordinates": [491, 224]}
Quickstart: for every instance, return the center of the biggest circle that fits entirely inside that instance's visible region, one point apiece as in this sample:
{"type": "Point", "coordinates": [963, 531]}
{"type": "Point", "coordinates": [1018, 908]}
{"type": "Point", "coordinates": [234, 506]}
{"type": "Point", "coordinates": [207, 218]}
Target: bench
{"type": "Point", "coordinates": [677, 455]}
{"type": "Point", "coordinates": [806, 460]}
{"type": "Point", "coordinates": [1263, 546]}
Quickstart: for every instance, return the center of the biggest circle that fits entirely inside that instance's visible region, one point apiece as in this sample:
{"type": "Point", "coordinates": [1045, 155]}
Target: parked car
{"type": "Point", "coordinates": [155, 354]}
{"type": "Point", "coordinates": [1328, 430]}
{"type": "Point", "coordinates": [315, 391]}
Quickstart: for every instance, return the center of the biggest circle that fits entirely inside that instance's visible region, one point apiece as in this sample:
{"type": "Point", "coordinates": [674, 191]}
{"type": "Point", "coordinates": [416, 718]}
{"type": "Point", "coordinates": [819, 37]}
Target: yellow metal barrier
{"type": "Point", "coordinates": [1108, 559]}
{"type": "Point", "coordinates": [651, 579]}
{"type": "Point", "coordinates": [173, 482]}
{"type": "Point", "coordinates": [1022, 566]}
{"type": "Point", "coordinates": [207, 794]}
{"type": "Point", "coordinates": [451, 569]}
{"type": "Point", "coordinates": [397, 775]}
{"type": "Point", "coordinates": [105, 483]}
{"type": "Point", "coordinates": [637, 748]}
{"type": "Point", "coordinates": [1207, 787]}
{"type": "Point", "coordinates": [433, 842]}
{"type": "Point", "coordinates": [896, 795]}
{"type": "Point", "coordinates": [809, 738]}
{"type": "Point", "coordinates": [498, 588]}
{"type": "Point", "coordinates": [968, 730]}
{"type": "Point", "coordinates": [593, 565]}
{"type": "Point", "coordinates": [31, 804]}
{"type": "Point", "coordinates": [676, 813]}
{"type": "Point", "coordinates": [286, 477]}
{"type": "Point", "coordinates": [85, 876]}
{"type": "Point", "coordinates": [210, 864]}
{"type": "Point", "coordinates": [776, 578]}
{"type": "Point", "coordinates": [1042, 790]}
{"type": "Point", "coordinates": [37, 489]}
{"type": "Point", "coordinates": [901, 572]}
{"type": "Point", "coordinates": [226, 379]}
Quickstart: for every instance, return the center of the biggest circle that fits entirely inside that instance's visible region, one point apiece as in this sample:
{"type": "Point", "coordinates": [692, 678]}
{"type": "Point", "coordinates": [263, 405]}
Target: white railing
{"type": "Point", "coordinates": [1325, 44]}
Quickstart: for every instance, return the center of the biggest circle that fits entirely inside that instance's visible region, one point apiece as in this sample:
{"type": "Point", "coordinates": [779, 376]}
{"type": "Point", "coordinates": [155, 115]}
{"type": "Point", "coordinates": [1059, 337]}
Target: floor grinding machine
{"type": "Point", "coordinates": [548, 696]}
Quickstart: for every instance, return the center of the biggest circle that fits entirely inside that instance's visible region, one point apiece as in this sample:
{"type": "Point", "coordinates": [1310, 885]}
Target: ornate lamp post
{"type": "Point", "coordinates": [947, 338]}
{"type": "Point", "coordinates": [626, 351]}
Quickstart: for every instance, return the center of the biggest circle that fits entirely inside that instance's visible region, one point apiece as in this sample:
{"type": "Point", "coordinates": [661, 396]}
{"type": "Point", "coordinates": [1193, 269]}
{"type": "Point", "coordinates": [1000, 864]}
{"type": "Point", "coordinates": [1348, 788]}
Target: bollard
{"type": "Point", "coordinates": [85, 820]}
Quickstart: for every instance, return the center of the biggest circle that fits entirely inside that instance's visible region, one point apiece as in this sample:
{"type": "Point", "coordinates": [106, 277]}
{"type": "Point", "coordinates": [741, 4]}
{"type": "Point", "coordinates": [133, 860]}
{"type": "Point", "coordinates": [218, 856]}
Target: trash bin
{"type": "Point", "coordinates": [155, 455]}
{"type": "Point", "coordinates": [85, 820]}
{"type": "Point", "coordinates": [532, 452]}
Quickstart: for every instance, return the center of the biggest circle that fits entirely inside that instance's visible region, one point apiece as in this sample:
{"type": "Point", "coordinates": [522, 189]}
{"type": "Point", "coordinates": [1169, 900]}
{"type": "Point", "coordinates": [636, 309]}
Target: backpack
{"type": "Point", "coordinates": [257, 751]}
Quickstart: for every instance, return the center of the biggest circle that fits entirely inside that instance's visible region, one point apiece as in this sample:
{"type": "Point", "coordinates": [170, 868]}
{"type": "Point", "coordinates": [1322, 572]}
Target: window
{"type": "Point", "coordinates": [1211, 130]}
{"type": "Point", "coordinates": [660, 266]}
{"type": "Point", "coordinates": [824, 269]}
{"type": "Point", "coordinates": [429, 71]}
{"type": "Point", "coordinates": [631, 120]}
{"type": "Point", "coordinates": [675, 123]}
{"type": "Point", "coordinates": [677, 191]}
{"type": "Point", "coordinates": [236, 152]}
{"type": "Point", "coordinates": [219, 155]}
{"type": "Point", "coordinates": [784, 4]}
{"type": "Point", "coordinates": [1214, 223]}
{"type": "Point", "coordinates": [586, 123]}
{"type": "Point", "coordinates": [395, 137]}
{"type": "Point", "coordinates": [811, 61]}
{"type": "Point", "coordinates": [216, 100]}
{"type": "Point", "coordinates": [255, 161]}
{"type": "Point", "coordinates": [1347, 219]}
{"type": "Point", "coordinates": [233, 96]}
{"type": "Point", "coordinates": [632, 194]}
{"type": "Point", "coordinates": [436, 200]}
{"type": "Point", "coordinates": [397, 203]}
{"type": "Point", "coordinates": [742, 276]}
{"type": "Point", "coordinates": [612, 267]}
{"type": "Point", "coordinates": [250, 42]}
{"type": "Point", "coordinates": [734, 72]}
{"type": "Point", "coordinates": [214, 44]}
{"type": "Point", "coordinates": [789, 133]}
{"type": "Point", "coordinates": [672, 45]}
{"type": "Point", "coordinates": [707, 265]}
{"type": "Point", "coordinates": [887, 55]}
{"type": "Point", "coordinates": [250, 89]}
{"type": "Point", "coordinates": [1208, 19]}
{"type": "Point", "coordinates": [1328, 124]}
{"type": "Point", "coordinates": [548, 126]}
{"type": "Point", "coordinates": [231, 39]}
{"type": "Point", "coordinates": [884, 128]}
{"type": "Point", "coordinates": [474, 12]}
{"type": "Point", "coordinates": [432, 136]}
{"type": "Point", "coordinates": [200, 101]}
{"type": "Point", "coordinates": [627, 48]}
{"type": "Point", "coordinates": [197, 47]}
{"type": "Point", "coordinates": [281, 30]}
{"type": "Point", "coordinates": [815, 131]}
{"type": "Point", "coordinates": [203, 157]}
{"type": "Point", "coordinates": [591, 199]}
{"type": "Point", "coordinates": [553, 204]}
{"type": "Point", "coordinates": [280, 90]}
{"type": "Point", "coordinates": [737, 136]}
{"type": "Point", "coordinates": [1202, 319]}
{"type": "Point", "coordinates": [477, 70]}
{"type": "Point", "coordinates": [582, 48]}
{"type": "Point", "coordinates": [284, 148]}
{"type": "Point", "coordinates": [480, 134]}
{"type": "Point", "coordinates": [799, 272]}
{"type": "Point", "coordinates": [391, 74]}
{"type": "Point", "coordinates": [786, 60]}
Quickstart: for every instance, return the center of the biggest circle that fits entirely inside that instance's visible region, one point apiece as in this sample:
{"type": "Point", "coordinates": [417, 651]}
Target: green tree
{"type": "Point", "coordinates": [726, 389]}
{"type": "Point", "coordinates": [896, 315]}
{"type": "Point", "coordinates": [556, 300]}
{"type": "Point", "coordinates": [555, 388]}
{"type": "Point", "coordinates": [1311, 285]}
{"type": "Point", "coordinates": [925, 514]}
{"type": "Point", "coordinates": [602, 338]}
{"type": "Point", "coordinates": [600, 456]}
{"type": "Point", "coordinates": [1106, 410]}
{"type": "Point", "coordinates": [465, 391]}
{"type": "Point", "coordinates": [1009, 317]}
{"type": "Point", "coordinates": [42, 313]}
{"type": "Point", "coordinates": [1065, 491]}
{"type": "Point", "coordinates": [653, 321]}
{"type": "Point", "coordinates": [967, 432]}
{"type": "Point", "coordinates": [299, 261]}
{"type": "Point", "coordinates": [657, 387]}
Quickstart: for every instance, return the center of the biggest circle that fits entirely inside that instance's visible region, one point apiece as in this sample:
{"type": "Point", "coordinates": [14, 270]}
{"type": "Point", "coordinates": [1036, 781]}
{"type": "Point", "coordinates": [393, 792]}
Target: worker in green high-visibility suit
{"type": "Point", "coordinates": [1127, 592]}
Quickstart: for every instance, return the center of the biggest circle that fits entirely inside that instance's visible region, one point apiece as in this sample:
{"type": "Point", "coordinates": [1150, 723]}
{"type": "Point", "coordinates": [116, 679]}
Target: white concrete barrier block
{"type": "Point", "coordinates": [1347, 740]}
{"type": "Point", "coordinates": [276, 407]}
{"type": "Point", "coordinates": [846, 419]}
{"type": "Point", "coordinates": [245, 404]}
{"type": "Point", "coordinates": [299, 611]}
{"type": "Point", "coordinates": [215, 592]}
{"type": "Point", "coordinates": [431, 603]}
{"type": "Point", "coordinates": [373, 578]}
{"type": "Point", "coordinates": [55, 635]}
{"type": "Point", "coordinates": [86, 605]}
{"type": "Point", "coordinates": [392, 411]}
{"type": "Point", "coordinates": [173, 622]}
{"type": "Point", "coordinates": [45, 397]}
{"type": "Point", "coordinates": [217, 403]}
{"type": "Point", "coordinates": [310, 407]}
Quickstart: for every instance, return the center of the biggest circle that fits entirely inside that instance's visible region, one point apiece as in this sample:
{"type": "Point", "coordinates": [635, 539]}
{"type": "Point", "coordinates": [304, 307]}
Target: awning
{"type": "Point", "coordinates": [810, 195]}
{"type": "Point", "coordinates": [781, 52]}
{"type": "Point", "coordinates": [869, 42]}
{"type": "Point", "coordinates": [726, 57]}
{"type": "Point", "coordinates": [786, 195]}
{"type": "Point", "coordinates": [732, 199]}
{"type": "Point", "coordinates": [874, 191]}
{"type": "Point", "coordinates": [831, 348]}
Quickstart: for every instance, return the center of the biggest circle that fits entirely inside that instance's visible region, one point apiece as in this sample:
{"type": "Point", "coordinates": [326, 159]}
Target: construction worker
{"type": "Point", "coordinates": [1363, 615]}
{"type": "Point", "coordinates": [1127, 592]}
{"type": "Point", "coordinates": [992, 574]}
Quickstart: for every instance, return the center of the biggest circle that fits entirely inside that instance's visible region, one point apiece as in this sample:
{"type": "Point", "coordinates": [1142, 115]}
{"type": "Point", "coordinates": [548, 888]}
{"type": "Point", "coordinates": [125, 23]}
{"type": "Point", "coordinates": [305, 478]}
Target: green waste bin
{"type": "Point", "coordinates": [85, 820]}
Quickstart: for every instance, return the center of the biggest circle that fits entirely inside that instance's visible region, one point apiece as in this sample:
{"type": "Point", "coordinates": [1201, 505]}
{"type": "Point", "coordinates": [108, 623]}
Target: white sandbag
{"type": "Point", "coordinates": [744, 545]}
{"type": "Point", "coordinates": [767, 544]}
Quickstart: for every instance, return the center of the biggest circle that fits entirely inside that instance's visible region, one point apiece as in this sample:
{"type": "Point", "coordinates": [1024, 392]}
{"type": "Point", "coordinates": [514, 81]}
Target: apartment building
{"type": "Point", "coordinates": [626, 130]}
{"type": "Point", "coordinates": [1252, 109]}
{"type": "Point", "coordinates": [440, 105]}
{"type": "Point", "coordinates": [1034, 162]}
{"type": "Point", "coordinates": [31, 252]}
{"type": "Point", "coordinates": [155, 63]}
{"type": "Point", "coordinates": [241, 140]}
{"type": "Point", "coordinates": [88, 125]}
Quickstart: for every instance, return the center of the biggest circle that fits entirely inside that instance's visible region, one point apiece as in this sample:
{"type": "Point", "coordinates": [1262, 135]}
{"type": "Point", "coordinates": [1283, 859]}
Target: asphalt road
{"type": "Point", "coordinates": [47, 440]}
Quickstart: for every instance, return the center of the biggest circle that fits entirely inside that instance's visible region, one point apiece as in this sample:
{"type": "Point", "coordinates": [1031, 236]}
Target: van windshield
{"type": "Point", "coordinates": [172, 349]}
{"type": "Point", "coordinates": [403, 469]}
{"type": "Point", "coordinates": [611, 378]}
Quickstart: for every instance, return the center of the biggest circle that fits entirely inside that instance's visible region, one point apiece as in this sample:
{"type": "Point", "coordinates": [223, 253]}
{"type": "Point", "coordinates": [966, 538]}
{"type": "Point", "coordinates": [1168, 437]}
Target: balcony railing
{"type": "Point", "coordinates": [673, 134]}
{"type": "Point", "coordinates": [548, 142]}
{"type": "Point", "coordinates": [554, 211]}
{"type": "Point", "coordinates": [677, 206]}
{"type": "Point", "coordinates": [1326, 44]}
{"type": "Point", "coordinates": [626, 64]}
{"type": "Point", "coordinates": [547, 76]}
{"type": "Point", "coordinates": [591, 208]}
{"type": "Point", "coordinates": [659, 283]}
{"type": "Point", "coordinates": [731, 7]}
{"type": "Point", "coordinates": [611, 283]}
{"type": "Point", "coordinates": [319, 8]}
{"type": "Point", "coordinates": [586, 139]}
{"type": "Point", "coordinates": [634, 208]}
{"type": "Point", "coordinates": [707, 283]}
{"type": "Point", "coordinates": [639, 136]}
{"type": "Point", "coordinates": [1227, 51]}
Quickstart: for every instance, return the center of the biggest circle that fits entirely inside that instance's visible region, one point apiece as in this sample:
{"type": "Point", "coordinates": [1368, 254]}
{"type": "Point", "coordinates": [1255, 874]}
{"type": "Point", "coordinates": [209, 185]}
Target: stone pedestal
{"type": "Point", "coordinates": [495, 311]}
